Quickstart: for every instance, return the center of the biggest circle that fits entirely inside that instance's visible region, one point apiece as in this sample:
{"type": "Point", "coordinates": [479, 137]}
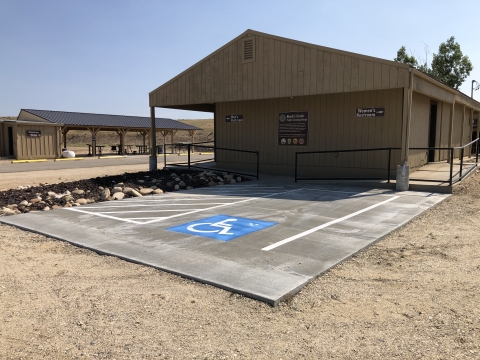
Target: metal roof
{"type": "Point", "coordinates": [105, 120]}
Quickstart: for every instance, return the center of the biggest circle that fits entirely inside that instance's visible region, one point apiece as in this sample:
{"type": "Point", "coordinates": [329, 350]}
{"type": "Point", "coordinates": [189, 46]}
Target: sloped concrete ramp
{"type": "Point", "coordinates": [262, 239]}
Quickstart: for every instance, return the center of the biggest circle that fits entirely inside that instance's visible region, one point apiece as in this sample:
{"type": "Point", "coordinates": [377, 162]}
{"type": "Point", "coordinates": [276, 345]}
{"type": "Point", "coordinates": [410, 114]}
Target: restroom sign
{"type": "Point", "coordinates": [370, 112]}
{"type": "Point", "coordinates": [222, 227]}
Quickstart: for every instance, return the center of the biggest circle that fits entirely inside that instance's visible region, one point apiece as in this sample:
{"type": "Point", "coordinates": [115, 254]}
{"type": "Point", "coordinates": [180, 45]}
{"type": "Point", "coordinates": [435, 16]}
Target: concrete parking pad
{"type": "Point", "coordinates": [264, 239]}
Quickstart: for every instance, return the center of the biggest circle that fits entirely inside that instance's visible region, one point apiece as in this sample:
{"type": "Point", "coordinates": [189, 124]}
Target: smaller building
{"type": "Point", "coordinates": [40, 134]}
{"type": "Point", "coordinates": [27, 140]}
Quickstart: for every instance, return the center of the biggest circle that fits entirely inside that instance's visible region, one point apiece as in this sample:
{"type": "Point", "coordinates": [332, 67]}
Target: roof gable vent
{"type": "Point", "coordinates": [248, 49]}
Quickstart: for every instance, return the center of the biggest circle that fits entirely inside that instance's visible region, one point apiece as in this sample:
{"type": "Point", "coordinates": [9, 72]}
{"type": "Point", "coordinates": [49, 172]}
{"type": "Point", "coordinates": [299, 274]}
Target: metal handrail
{"type": "Point", "coordinates": [461, 173]}
{"type": "Point", "coordinates": [189, 162]}
{"type": "Point", "coordinates": [389, 149]}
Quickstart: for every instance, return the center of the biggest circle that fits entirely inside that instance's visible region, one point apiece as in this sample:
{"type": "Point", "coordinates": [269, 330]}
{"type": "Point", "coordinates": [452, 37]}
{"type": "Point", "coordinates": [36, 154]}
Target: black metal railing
{"type": "Point", "coordinates": [453, 177]}
{"type": "Point", "coordinates": [460, 174]}
{"type": "Point", "coordinates": [194, 164]}
{"type": "Point", "coordinates": [388, 169]}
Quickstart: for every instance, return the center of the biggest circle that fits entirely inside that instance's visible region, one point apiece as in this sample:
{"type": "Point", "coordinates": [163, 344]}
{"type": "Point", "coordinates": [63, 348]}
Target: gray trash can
{"type": "Point", "coordinates": [159, 149]}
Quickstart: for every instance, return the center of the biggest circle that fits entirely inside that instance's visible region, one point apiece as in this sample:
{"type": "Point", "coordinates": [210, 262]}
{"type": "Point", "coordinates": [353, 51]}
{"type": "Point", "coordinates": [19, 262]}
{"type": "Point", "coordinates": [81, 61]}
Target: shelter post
{"type": "Point", "coordinates": [172, 137]}
{"type": "Point", "coordinates": [121, 133]}
{"type": "Point", "coordinates": [64, 134]}
{"type": "Point", "coordinates": [192, 136]}
{"type": "Point", "coordinates": [153, 142]}
{"type": "Point", "coordinates": [94, 132]}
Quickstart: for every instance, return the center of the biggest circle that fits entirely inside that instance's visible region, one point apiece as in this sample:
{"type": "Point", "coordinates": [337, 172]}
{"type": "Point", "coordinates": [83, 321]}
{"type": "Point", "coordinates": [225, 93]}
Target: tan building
{"type": "Point", "coordinates": [26, 140]}
{"type": "Point", "coordinates": [41, 134]}
{"type": "Point", "coordinates": [280, 96]}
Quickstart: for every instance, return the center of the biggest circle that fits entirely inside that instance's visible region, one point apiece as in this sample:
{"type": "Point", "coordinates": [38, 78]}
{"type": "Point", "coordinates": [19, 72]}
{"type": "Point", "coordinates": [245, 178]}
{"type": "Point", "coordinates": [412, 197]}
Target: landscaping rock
{"type": "Point", "coordinates": [81, 201]}
{"type": "Point", "coordinates": [118, 196]}
{"type": "Point", "coordinates": [105, 194]}
{"type": "Point", "coordinates": [146, 191]}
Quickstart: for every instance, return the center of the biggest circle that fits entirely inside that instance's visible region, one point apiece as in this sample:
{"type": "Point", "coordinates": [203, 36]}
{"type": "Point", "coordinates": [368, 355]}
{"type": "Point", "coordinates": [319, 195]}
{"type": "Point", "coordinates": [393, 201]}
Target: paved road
{"type": "Point", "coordinates": [8, 167]}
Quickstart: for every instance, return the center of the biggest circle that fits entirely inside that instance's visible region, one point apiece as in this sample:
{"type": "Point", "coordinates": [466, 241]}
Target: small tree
{"type": "Point", "coordinates": [403, 57]}
{"type": "Point", "coordinates": [450, 66]}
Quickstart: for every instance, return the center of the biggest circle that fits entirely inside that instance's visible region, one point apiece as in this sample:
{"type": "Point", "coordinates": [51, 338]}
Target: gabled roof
{"type": "Point", "coordinates": [279, 67]}
{"type": "Point", "coordinates": [105, 120]}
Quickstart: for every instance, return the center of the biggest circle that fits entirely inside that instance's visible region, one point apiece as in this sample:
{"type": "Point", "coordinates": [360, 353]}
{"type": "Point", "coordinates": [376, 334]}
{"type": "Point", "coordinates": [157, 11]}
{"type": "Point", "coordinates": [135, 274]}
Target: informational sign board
{"type": "Point", "coordinates": [293, 128]}
{"type": "Point", "coordinates": [370, 112]}
{"type": "Point", "coordinates": [222, 227]}
{"type": "Point", "coordinates": [33, 133]}
{"type": "Point", "coordinates": [234, 118]}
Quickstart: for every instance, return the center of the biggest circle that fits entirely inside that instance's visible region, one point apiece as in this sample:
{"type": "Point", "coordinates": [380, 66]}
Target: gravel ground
{"type": "Point", "coordinates": [413, 295]}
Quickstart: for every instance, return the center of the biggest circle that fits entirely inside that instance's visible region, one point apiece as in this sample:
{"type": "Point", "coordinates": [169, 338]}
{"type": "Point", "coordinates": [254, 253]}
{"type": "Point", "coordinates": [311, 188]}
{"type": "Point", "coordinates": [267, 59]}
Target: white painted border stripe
{"type": "Point", "coordinates": [214, 207]}
{"type": "Point", "coordinates": [323, 226]}
{"type": "Point", "coordinates": [173, 216]}
{"type": "Point", "coordinates": [144, 205]}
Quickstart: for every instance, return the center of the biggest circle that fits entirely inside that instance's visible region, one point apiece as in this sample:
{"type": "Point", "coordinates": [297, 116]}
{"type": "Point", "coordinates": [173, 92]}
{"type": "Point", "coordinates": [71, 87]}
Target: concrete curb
{"type": "Point", "coordinates": [28, 161]}
{"type": "Point", "coordinates": [68, 159]}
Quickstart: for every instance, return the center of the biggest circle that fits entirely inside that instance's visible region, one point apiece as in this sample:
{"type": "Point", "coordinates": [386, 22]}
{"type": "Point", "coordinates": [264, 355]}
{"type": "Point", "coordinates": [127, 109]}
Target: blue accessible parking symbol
{"type": "Point", "coordinates": [222, 227]}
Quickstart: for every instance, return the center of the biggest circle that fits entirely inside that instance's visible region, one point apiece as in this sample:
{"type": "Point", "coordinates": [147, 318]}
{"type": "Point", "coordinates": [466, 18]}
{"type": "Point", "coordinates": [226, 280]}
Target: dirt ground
{"type": "Point", "coordinates": [413, 295]}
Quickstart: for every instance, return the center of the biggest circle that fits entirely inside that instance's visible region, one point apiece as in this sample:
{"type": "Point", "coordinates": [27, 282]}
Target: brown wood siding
{"type": "Point", "coordinates": [419, 128]}
{"type": "Point", "coordinates": [47, 146]}
{"type": "Point", "coordinates": [281, 69]}
{"type": "Point", "coordinates": [333, 125]}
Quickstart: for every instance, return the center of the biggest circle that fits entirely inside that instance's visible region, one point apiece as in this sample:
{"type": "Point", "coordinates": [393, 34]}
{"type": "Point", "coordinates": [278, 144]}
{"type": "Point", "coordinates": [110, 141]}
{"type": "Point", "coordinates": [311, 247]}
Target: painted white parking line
{"type": "Point", "coordinates": [323, 226]}
{"type": "Point", "coordinates": [183, 212]}
{"type": "Point", "coordinates": [144, 205]}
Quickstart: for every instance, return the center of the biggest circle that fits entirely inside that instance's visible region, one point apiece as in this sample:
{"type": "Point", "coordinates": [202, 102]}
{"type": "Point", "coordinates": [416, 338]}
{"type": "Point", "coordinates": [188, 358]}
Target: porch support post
{"type": "Point", "coordinates": [470, 132]}
{"type": "Point", "coordinates": [462, 130]}
{"type": "Point", "coordinates": [477, 129]}
{"type": "Point", "coordinates": [403, 170]}
{"type": "Point", "coordinates": [153, 141]}
{"type": "Point", "coordinates": [450, 131]}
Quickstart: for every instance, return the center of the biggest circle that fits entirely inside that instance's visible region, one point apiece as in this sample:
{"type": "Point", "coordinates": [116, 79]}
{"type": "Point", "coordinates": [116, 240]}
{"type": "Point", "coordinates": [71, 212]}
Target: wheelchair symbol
{"type": "Point", "coordinates": [223, 225]}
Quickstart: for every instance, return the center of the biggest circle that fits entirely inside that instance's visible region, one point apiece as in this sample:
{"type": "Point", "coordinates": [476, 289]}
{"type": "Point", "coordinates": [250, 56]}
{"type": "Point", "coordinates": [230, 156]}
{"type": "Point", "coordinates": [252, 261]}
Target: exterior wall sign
{"type": "Point", "coordinates": [370, 112]}
{"type": "Point", "coordinates": [234, 118]}
{"type": "Point", "coordinates": [33, 133]}
{"type": "Point", "coordinates": [293, 128]}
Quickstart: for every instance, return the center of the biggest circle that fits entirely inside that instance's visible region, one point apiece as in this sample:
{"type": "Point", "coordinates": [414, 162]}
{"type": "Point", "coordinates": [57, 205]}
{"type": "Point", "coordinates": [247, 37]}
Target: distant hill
{"type": "Point", "coordinates": [8, 117]}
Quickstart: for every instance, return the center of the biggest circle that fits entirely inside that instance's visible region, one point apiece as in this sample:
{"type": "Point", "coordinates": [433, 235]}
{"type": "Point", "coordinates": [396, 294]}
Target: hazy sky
{"type": "Point", "coordinates": [105, 56]}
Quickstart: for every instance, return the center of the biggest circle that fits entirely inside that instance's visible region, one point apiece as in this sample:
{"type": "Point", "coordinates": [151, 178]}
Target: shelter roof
{"type": "Point", "coordinates": [105, 120]}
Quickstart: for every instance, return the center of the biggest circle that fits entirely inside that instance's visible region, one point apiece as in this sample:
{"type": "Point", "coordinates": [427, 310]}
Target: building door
{"type": "Point", "coordinates": [10, 141]}
{"type": "Point", "coordinates": [433, 131]}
